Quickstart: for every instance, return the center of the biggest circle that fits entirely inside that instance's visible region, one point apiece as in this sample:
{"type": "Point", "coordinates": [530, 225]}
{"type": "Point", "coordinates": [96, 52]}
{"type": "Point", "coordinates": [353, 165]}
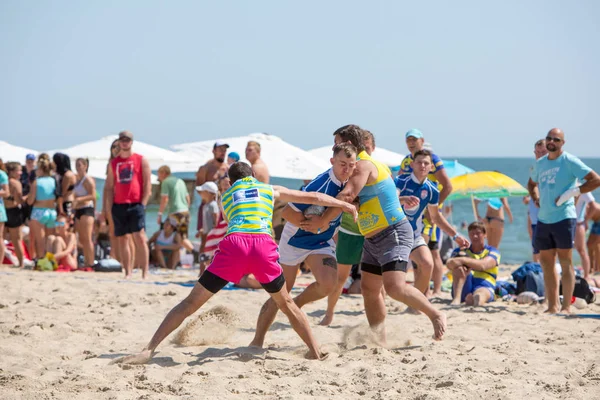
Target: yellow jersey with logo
{"type": "Point", "coordinates": [379, 203]}
{"type": "Point", "coordinates": [248, 205]}
{"type": "Point", "coordinates": [488, 275]}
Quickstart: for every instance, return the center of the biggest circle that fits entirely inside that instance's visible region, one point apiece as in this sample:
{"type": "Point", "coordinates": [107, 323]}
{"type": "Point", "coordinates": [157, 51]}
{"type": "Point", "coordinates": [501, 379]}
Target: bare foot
{"type": "Point", "coordinates": [327, 320]}
{"type": "Point", "coordinates": [455, 302]}
{"type": "Point", "coordinates": [135, 359]}
{"type": "Point", "coordinates": [477, 300]}
{"type": "Point", "coordinates": [436, 294]}
{"type": "Point", "coordinates": [439, 326]}
{"type": "Point", "coordinates": [128, 276]}
{"type": "Point", "coordinates": [321, 357]}
{"type": "Point", "coordinates": [551, 311]}
{"type": "Point", "coordinates": [566, 310]}
{"type": "Point", "coordinates": [256, 343]}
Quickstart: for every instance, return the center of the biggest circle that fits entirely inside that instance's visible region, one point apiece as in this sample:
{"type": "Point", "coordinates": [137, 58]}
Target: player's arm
{"type": "Point", "coordinates": [438, 219]}
{"type": "Point", "coordinates": [320, 199]}
{"type": "Point", "coordinates": [478, 265]}
{"type": "Point", "coordinates": [201, 175]}
{"type": "Point", "coordinates": [293, 216]}
{"type": "Point", "coordinates": [444, 180]}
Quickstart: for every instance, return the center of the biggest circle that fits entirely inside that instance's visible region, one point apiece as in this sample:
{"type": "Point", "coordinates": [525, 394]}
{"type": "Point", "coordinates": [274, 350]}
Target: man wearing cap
{"type": "Point", "coordinates": [553, 187]}
{"type": "Point", "coordinates": [232, 158]}
{"type": "Point", "coordinates": [212, 171]}
{"type": "Point", "coordinates": [175, 203]}
{"type": "Point", "coordinates": [261, 171]}
{"type": "Point", "coordinates": [432, 233]}
{"type": "Point", "coordinates": [128, 189]}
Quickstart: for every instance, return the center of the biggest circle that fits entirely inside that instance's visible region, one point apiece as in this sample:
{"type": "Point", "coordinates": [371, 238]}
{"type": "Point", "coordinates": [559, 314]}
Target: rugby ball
{"type": "Point", "coordinates": [314, 210]}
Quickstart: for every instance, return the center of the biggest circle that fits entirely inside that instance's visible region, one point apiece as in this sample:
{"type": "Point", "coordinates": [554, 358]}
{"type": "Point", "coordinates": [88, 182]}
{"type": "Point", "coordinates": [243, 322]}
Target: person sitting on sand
{"type": "Point", "coordinates": [164, 245]}
{"type": "Point", "coordinates": [63, 245]}
{"type": "Point", "coordinates": [474, 270]}
{"type": "Point", "coordinates": [592, 213]}
{"type": "Point", "coordinates": [248, 247]}
{"type": "Point", "coordinates": [208, 192]}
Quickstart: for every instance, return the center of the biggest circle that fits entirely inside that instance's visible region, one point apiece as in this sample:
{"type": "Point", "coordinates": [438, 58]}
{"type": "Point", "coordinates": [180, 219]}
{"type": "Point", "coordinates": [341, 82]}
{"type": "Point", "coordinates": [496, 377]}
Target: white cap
{"type": "Point", "coordinates": [210, 187]}
{"type": "Point", "coordinates": [220, 143]}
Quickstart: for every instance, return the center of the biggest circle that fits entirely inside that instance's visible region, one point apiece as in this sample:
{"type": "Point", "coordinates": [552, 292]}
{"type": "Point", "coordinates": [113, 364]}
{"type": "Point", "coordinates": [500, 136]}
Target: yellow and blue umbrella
{"type": "Point", "coordinates": [485, 185]}
{"type": "Point", "coordinates": [454, 168]}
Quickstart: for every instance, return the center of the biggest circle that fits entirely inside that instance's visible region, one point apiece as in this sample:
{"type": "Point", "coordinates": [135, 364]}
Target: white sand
{"type": "Point", "coordinates": [59, 331]}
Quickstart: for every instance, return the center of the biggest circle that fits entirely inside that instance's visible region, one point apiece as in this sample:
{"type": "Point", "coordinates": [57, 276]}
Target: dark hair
{"type": "Point", "coordinates": [347, 148]}
{"type": "Point", "coordinates": [62, 162]}
{"type": "Point", "coordinates": [11, 166]}
{"type": "Point", "coordinates": [86, 161]}
{"type": "Point", "coordinates": [116, 141]}
{"type": "Point", "coordinates": [477, 225]}
{"type": "Point", "coordinates": [423, 152]}
{"type": "Point", "coordinates": [2, 167]}
{"type": "Point", "coordinates": [239, 170]}
{"type": "Point", "coordinates": [367, 135]}
{"type": "Point", "coordinates": [353, 134]}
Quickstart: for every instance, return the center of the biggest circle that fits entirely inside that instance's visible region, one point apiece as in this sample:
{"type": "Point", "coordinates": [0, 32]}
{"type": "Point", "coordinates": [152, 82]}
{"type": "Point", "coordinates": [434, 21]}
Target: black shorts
{"type": "Point", "coordinates": [128, 218]}
{"type": "Point", "coordinates": [26, 212]}
{"type": "Point", "coordinates": [560, 235]}
{"type": "Point", "coordinates": [14, 217]}
{"type": "Point", "coordinates": [67, 208]}
{"type": "Point", "coordinates": [85, 211]}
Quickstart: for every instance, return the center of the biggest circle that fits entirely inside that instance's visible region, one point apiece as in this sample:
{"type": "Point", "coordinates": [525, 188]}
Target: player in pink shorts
{"type": "Point", "coordinates": [247, 248]}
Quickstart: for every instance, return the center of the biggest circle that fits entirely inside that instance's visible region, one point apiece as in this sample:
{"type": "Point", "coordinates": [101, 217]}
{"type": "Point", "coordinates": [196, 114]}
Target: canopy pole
{"type": "Point", "coordinates": [474, 206]}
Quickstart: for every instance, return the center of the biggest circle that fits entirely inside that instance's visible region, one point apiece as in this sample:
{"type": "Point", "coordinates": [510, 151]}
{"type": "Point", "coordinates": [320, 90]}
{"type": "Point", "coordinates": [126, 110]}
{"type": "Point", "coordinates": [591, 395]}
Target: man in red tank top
{"type": "Point", "coordinates": [128, 189]}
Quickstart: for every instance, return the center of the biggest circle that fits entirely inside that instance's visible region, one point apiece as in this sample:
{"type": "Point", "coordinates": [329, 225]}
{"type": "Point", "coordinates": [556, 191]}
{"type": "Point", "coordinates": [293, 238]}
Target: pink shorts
{"type": "Point", "coordinates": [240, 254]}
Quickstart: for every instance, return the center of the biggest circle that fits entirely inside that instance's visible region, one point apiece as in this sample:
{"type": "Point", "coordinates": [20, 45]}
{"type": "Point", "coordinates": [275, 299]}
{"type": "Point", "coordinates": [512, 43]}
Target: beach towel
{"type": "Point", "coordinates": [529, 278]}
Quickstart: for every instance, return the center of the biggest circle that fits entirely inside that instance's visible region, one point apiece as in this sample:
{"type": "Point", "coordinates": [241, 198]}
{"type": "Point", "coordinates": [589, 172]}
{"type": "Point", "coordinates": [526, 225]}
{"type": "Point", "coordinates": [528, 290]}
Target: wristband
{"type": "Point", "coordinates": [454, 237]}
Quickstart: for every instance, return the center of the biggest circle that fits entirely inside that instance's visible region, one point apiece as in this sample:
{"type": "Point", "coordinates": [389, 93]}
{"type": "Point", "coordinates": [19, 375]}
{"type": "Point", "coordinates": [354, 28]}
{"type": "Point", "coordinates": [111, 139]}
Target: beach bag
{"type": "Point", "coordinates": [108, 265]}
{"type": "Point", "coordinates": [532, 282]}
{"type": "Point", "coordinates": [102, 250]}
{"type": "Point", "coordinates": [582, 290]}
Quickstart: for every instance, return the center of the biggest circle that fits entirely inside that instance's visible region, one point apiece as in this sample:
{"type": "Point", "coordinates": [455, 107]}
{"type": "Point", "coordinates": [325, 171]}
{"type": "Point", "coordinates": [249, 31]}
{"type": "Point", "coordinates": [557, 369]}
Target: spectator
{"type": "Point", "coordinates": [164, 246]}
{"type": "Point", "coordinates": [84, 205]}
{"type": "Point", "coordinates": [261, 171]}
{"type": "Point", "coordinates": [63, 245]}
{"type": "Point", "coordinates": [233, 157]}
{"type": "Point", "coordinates": [175, 202]}
{"type": "Point", "coordinates": [208, 191]}
{"type": "Point", "coordinates": [128, 190]}
{"type": "Point", "coordinates": [43, 199]}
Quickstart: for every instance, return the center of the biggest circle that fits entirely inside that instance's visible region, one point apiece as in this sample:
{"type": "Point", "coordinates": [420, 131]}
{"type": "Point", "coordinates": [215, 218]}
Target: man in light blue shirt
{"type": "Point", "coordinates": [552, 187]}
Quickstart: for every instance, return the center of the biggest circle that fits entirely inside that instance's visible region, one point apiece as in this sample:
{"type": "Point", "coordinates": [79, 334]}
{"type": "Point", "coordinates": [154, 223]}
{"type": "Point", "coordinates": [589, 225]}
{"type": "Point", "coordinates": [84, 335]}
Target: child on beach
{"type": "Point", "coordinates": [210, 215]}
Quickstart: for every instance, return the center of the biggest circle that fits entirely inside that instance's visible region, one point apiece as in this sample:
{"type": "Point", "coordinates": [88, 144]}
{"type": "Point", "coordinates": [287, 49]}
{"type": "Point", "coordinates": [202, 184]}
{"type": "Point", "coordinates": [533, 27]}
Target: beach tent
{"type": "Point", "coordinates": [389, 158]}
{"type": "Point", "coordinates": [10, 152]}
{"type": "Point", "coordinates": [283, 159]}
{"type": "Point", "coordinates": [97, 152]}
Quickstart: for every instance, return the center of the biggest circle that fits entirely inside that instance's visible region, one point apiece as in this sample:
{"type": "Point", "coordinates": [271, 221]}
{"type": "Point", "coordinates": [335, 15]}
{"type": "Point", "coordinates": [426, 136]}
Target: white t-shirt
{"type": "Point", "coordinates": [582, 202]}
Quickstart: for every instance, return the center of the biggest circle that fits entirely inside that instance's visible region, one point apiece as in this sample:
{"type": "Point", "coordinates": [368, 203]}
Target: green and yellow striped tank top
{"type": "Point", "coordinates": [248, 205]}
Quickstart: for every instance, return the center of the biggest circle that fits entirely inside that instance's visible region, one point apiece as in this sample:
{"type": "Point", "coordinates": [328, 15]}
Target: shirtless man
{"type": "Point", "coordinates": [261, 171]}
{"type": "Point", "coordinates": [592, 213]}
{"type": "Point", "coordinates": [247, 248]}
{"type": "Point", "coordinates": [388, 238]}
{"type": "Point", "coordinates": [212, 171]}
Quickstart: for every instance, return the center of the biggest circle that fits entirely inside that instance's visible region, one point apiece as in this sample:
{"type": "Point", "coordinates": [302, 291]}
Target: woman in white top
{"type": "Point", "coordinates": [84, 205]}
{"type": "Point", "coordinates": [167, 243]}
{"type": "Point", "coordinates": [582, 225]}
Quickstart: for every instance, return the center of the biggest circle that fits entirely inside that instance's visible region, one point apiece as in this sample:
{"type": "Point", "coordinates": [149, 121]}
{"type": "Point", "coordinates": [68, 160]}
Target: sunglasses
{"type": "Point", "coordinates": [60, 223]}
{"type": "Point", "coordinates": [124, 139]}
{"type": "Point", "coordinates": [553, 139]}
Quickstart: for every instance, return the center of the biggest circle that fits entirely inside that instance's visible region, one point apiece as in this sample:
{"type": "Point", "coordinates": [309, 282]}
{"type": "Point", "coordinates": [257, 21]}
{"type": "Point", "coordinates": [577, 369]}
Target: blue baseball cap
{"type": "Point", "coordinates": [30, 156]}
{"type": "Point", "coordinates": [414, 133]}
{"type": "Point", "coordinates": [234, 155]}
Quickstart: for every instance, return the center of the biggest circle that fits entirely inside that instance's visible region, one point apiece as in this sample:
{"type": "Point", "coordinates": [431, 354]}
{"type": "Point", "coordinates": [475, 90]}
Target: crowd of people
{"type": "Point", "coordinates": [354, 223]}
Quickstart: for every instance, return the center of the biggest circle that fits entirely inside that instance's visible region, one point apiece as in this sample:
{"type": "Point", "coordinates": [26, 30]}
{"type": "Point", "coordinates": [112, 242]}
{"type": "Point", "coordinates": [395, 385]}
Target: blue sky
{"type": "Point", "coordinates": [478, 78]}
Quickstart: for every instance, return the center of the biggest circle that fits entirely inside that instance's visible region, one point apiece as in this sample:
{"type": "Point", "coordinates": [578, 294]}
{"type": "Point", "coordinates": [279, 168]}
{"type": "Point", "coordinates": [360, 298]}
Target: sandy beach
{"type": "Point", "coordinates": [59, 332]}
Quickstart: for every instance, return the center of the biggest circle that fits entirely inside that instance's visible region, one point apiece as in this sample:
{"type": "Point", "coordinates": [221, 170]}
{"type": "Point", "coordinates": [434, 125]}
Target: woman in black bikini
{"type": "Point", "coordinates": [85, 210]}
{"type": "Point", "coordinates": [494, 219]}
{"type": "Point", "coordinates": [67, 184]}
{"type": "Point", "coordinates": [14, 210]}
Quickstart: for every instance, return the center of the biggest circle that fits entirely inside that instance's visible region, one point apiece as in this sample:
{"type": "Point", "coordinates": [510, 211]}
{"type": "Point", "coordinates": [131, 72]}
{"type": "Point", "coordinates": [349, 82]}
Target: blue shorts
{"type": "Point", "coordinates": [535, 250]}
{"type": "Point", "coordinates": [472, 284]}
{"type": "Point", "coordinates": [560, 235]}
{"type": "Point", "coordinates": [45, 216]}
{"type": "Point", "coordinates": [595, 229]}
{"type": "Point", "coordinates": [128, 218]}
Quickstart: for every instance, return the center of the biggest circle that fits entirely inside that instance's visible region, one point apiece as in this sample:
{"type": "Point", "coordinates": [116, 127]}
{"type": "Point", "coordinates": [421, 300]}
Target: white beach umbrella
{"type": "Point", "coordinates": [10, 152]}
{"type": "Point", "coordinates": [389, 158]}
{"type": "Point", "coordinates": [100, 150]}
{"type": "Point", "coordinates": [283, 159]}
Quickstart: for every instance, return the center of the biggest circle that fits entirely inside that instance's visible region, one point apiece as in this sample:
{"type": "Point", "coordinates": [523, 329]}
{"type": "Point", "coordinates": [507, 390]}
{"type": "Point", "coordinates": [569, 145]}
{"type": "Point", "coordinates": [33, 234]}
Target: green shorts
{"type": "Point", "coordinates": [349, 248]}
